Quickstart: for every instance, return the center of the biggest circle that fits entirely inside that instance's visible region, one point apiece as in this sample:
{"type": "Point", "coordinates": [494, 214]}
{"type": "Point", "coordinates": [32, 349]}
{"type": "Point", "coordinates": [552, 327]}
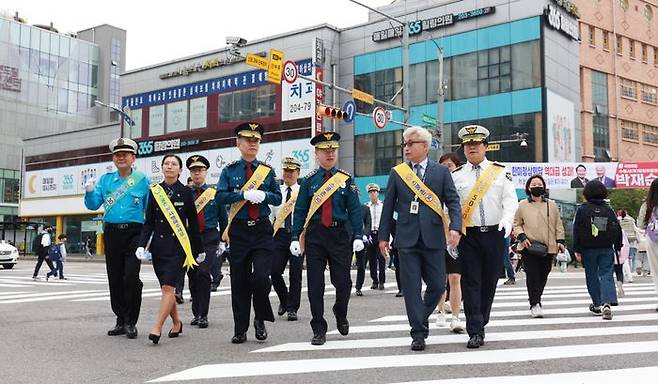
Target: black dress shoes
{"type": "Point", "coordinates": [195, 321]}
{"type": "Point", "coordinates": [418, 344]}
{"type": "Point", "coordinates": [292, 316]}
{"type": "Point", "coordinates": [476, 341]}
{"type": "Point", "coordinates": [239, 338]}
{"type": "Point", "coordinates": [359, 293]}
{"type": "Point", "coordinates": [131, 331]}
{"type": "Point", "coordinates": [173, 334]}
{"type": "Point", "coordinates": [399, 294]}
{"type": "Point", "coordinates": [261, 332]}
{"type": "Point", "coordinates": [154, 338]}
{"type": "Point", "coordinates": [319, 339]}
{"type": "Point", "coordinates": [374, 286]}
{"type": "Point", "coordinates": [381, 287]}
{"type": "Point", "coordinates": [282, 309]}
{"type": "Point", "coordinates": [203, 322]}
{"type": "Point", "coordinates": [118, 329]}
{"type": "Point", "coordinates": [342, 324]}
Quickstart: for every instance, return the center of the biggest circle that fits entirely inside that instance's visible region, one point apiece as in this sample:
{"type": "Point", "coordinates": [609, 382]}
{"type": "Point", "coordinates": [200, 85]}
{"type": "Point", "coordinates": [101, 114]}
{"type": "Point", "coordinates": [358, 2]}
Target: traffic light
{"type": "Point", "coordinates": [331, 112]}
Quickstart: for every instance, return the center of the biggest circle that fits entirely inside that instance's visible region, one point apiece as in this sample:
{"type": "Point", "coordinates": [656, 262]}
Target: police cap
{"type": "Point", "coordinates": [291, 163]}
{"type": "Point", "coordinates": [473, 134]}
{"type": "Point", "coordinates": [372, 187]}
{"type": "Point", "coordinates": [197, 161]}
{"type": "Point", "coordinates": [250, 130]}
{"type": "Point", "coordinates": [123, 144]}
{"type": "Point", "coordinates": [326, 140]}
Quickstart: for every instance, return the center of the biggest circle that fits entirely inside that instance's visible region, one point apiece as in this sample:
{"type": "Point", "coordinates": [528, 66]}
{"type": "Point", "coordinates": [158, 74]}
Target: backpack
{"type": "Point", "coordinates": [598, 229]}
{"type": "Point", "coordinates": [652, 226]}
{"type": "Point", "coordinates": [55, 252]}
{"type": "Point", "coordinates": [36, 243]}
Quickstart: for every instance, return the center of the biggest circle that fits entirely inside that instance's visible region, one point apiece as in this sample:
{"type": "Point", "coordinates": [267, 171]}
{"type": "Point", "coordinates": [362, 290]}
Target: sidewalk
{"type": "Point", "coordinates": [72, 257]}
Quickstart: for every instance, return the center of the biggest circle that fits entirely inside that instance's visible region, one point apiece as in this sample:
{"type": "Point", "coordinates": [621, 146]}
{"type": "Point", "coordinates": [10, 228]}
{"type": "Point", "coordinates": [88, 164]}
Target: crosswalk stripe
{"type": "Point", "coordinates": [453, 338]}
{"type": "Point", "coordinates": [60, 295]}
{"type": "Point", "coordinates": [626, 375]}
{"type": "Point", "coordinates": [565, 291]}
{"type": "Point", "coordinates": [511, 323]}
{"type": "Point", "coordinates": [283, 367]}
{"type": "Point", "coordinates": [566, 287]}
{"type": "Point", "coordinates": [551, 297]}
{"type": "Point", "coordinates": [584, 302]}
{"type": "Point", "coordinates": [12, 293]}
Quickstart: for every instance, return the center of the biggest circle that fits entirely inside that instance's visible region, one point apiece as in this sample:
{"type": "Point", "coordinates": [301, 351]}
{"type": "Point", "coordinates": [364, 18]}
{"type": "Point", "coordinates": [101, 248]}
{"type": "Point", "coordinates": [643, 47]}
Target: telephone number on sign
{"type": "Point", "coordinates": [299, 107]}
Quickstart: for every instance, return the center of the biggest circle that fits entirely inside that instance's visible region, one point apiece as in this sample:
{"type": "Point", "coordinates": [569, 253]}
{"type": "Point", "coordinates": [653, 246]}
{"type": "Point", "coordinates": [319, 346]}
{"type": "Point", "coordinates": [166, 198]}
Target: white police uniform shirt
{"type": "Point", "coordinates": [284, 190]}
{"type": "Point", "coordinates": [500, 201]}
{"type": "Point", "coordinates": [375, 214]}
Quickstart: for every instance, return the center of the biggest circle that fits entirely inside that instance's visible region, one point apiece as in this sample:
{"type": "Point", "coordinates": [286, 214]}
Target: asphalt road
{"type": "Point", "coordinates": [55, 332]}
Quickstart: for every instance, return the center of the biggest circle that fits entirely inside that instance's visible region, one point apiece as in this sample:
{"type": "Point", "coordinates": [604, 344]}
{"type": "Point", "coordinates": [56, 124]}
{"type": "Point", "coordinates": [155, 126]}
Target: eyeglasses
{"type": "Point", "coordinates": [410, 143]}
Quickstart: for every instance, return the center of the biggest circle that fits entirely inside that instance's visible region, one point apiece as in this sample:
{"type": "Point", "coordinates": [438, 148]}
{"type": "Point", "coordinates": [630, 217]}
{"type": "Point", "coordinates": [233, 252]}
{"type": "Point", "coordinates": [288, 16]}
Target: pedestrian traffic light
{"type": "Point", "coordinates": [331, 112]}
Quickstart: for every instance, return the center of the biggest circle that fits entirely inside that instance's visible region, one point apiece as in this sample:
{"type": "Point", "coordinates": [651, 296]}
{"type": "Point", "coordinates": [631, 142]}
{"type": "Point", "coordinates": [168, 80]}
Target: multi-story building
{"type": "Point", "coordinates": [619, 79]}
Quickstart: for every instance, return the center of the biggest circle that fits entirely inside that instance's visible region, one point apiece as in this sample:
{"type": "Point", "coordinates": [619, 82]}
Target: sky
{"type": "Point", "coordinates": [159, 31]}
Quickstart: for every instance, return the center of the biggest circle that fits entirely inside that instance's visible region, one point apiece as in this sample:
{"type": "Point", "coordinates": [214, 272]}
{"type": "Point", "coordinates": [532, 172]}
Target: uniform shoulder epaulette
{"type": "Point", "coordinates": [232, 163]}
{"type": "Point", "coordinates": [457, 169]}
{"type": "Point", "coordinates": [344, 172]}
{"type": "Point", "coordinates": [497, 164]}
{"type": "Point", "coordinates": [310, 174]}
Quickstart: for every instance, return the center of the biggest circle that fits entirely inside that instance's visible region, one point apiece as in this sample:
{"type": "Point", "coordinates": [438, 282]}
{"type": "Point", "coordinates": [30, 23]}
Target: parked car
{"type": "Point", "coordinates": [8, 255]}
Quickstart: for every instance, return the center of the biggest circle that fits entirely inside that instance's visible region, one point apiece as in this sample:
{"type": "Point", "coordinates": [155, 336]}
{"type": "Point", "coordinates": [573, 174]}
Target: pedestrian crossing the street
{"type": "Point", "coordinates": [574, 345]}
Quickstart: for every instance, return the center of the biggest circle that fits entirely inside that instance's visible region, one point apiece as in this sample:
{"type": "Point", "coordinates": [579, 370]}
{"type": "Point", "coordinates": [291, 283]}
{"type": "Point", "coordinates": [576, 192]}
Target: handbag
{"type": "Point", "coordinates": [536, 248]}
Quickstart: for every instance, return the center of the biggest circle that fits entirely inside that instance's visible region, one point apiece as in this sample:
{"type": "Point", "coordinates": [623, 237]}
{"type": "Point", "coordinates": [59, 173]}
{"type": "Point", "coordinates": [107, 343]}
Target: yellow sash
{"type": "Point", "coordinates": [175, 223]}
{"type": "Point", "coordinates": [284, 212]}
{"type": "Point", "coordinates": [254, 182]}
{"type": "Point", "coordinates": [424, 193]}
{"type": "Point", "coordinates": [204, 199]}
{"type": "Point", "coordinates": [480, 188]}
{"type": "Point", "coordinates": [320, 196]}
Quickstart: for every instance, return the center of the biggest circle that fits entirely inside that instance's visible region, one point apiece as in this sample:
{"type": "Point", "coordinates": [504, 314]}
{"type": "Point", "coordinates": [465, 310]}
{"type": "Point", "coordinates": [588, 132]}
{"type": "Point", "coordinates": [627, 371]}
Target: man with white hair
{"type": "Point", "coordinates": [417, 190]}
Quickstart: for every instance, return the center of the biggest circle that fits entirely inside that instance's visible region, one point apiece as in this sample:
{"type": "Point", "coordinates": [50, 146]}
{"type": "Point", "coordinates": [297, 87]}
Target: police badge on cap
{"type": "Point", "coordinates": [326, 140]}
{"type": "Point", "coordinates": [291, 163]}
{"type": "Point", "coordinates": [123, 144]}
{"type": "Point", "coordinates": [372, 187]}
{"type": "Point", "coordinates": [250, 130]}
{"type": "Point", "coordinates": [473, 134]}
{"type": "Point", "coordinates": [197, 161]}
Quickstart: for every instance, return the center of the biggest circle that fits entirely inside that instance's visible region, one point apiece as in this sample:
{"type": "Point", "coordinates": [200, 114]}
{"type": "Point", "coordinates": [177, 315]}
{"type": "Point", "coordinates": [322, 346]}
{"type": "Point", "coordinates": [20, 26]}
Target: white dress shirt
{"type": "Point", "coordinates": [284, 190]}
{"type": "Point", "coordinates": [500, 201]}
{"type": "Point", "coordinates": [375, 214]}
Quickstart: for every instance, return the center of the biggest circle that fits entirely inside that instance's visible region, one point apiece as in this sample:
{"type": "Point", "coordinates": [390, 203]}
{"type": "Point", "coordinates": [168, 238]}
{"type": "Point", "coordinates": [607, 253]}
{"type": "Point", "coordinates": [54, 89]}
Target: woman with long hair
{"type": "Point", "coordinates": [168, 252]}
{"type": "Point", "coordinates": [647, 220]}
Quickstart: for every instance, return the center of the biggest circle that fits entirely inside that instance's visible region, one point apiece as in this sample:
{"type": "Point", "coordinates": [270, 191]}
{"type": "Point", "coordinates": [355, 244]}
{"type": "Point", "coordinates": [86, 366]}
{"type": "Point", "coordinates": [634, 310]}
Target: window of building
{"type": "Point", "coordinates": [655, 56]}
{"type": "Point", "coordinates": [465, 76]}
{"type": "Point", "coordinates": [648, 94]}
{"type": "Point", "coordinates": [592, 35]}
{"type": "Point", "coordinates": [620, 44]}
{"type": "Point", "coordinates": [650, 134]}
{"type": "Point", "coordinates": [600, 116]}
{"type": "Point", "coordinates": [526, 66]}
{"type": "Point", "coordinates": [599, 92]}
{"type": "Point", "coordinates": [382, 84]}
{"type": "Point", "coordinates": [628, 88]}
{"type": "Point", "coordinates": [377, 153]}
{"type": "Point", "coordinates": [494, 71]}
{"type": "Point", "coordinates": [176, 116]}
{"type": "Point", "coordinates": [629, 130]}
{"type": "Point", "coordinates": [157, 120]}
{"type": "Point", "coordinates": [136, 130]}
{"type": "Point", "coordinates": [248, 104]}
{"type": "Point", "coordinates": [606, 40]}
{"type": "Point", "coordinates": [10, 186]}
{"type": "Point", "coordinates": [648, 12]}
{"type": "Point", "coordinates": [631, 48]}
{"type": "Point", "coordinates": [198, 112]}
{"type": "Point", "coordinates": [115, 54]}
{"type": "Point", "coordinates": [645, 54]}
{"type": "Point", "coordinates": [601, 137]}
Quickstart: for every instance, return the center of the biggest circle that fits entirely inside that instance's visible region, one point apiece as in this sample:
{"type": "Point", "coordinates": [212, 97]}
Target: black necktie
{"type": "Point", "coordinates": [288, 221]}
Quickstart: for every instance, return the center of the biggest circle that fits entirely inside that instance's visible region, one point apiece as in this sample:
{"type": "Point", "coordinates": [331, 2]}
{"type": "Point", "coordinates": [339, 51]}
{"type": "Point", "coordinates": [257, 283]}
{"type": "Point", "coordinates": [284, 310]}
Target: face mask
{"type": "Point", "coordinates": [537, 191]}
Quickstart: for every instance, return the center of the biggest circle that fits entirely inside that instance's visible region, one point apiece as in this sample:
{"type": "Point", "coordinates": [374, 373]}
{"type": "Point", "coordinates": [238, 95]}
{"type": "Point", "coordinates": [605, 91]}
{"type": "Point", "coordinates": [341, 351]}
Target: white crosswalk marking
{"type": "Point", "coordinates": [568, 327]}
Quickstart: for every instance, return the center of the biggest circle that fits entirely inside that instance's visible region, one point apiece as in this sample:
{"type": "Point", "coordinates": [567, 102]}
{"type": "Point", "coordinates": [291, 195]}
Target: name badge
{"type": "Point", "coordinates": [179, 203]}
{"type": "Point", "coordinates": [413, 208]}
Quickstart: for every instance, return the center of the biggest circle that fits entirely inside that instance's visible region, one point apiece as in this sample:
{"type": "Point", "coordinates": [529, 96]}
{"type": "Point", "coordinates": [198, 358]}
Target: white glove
{"type": "Point", "coordinates": [295, 248]}
{"type": "Point", "coordinates": [140, 253]}
{"type": "Point", "coordinates": [254, 196]}
{"type": "Point", "coordinates": [260, 196]}
{"type": "Point", "coordinates": [365, 239]}
{"type": "Point", "coordinates": [504, 225]}
{"type": "Point", "coordinates": [90, 185]}
{"type": "Point", "coordinates": [201, 257]}
{"type": "Point", "coordinates": [221, 248]}
{"type": "Point", "coordinates": [358, 246]}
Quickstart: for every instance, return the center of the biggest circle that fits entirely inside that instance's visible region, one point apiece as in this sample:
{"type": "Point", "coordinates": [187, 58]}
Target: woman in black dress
{"type": "Point", "coordinates": [168, 254]}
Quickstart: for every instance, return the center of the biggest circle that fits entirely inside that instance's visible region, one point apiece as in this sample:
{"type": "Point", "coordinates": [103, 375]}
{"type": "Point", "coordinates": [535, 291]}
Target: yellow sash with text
{"type": "Point", "coordinates": [254, 182]}
{"type": "Point", "coordinates": [321, 195]}
{"type": "Point", "coordinates": [480, 188]}
{"type": "Point", "coordinates": [284, 212]}
{"type": "Point", "coordinates": [204, 199]}
{"type": "Point", "coordinates": [422, 191]}
{"type": "Point", "coordinates": [175, 223]}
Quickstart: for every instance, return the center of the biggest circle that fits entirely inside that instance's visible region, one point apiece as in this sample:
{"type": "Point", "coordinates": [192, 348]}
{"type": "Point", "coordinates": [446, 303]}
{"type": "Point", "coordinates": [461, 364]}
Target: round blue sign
{"type": "Point", "coordinates": [350, 108]}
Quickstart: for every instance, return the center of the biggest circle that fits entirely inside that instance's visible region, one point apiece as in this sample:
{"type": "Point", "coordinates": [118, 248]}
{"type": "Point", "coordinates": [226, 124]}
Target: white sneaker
{"type": "Point", "coordinates": [536, 312]}
{"type": "Point", "coordinates": [446, 307]}
{"type": "Point", "coordinates": [441, 320]}
{"type": "Point", "coordinates": [456, 325]}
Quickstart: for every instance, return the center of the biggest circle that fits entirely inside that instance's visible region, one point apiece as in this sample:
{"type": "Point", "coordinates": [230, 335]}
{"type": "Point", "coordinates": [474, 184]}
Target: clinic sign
{"type": "Point", "coordinates": [558, 20]}
{"type": "Point", "coordinates": [205, 65]}
{"type": "Point", "coordinates": [418, 26]}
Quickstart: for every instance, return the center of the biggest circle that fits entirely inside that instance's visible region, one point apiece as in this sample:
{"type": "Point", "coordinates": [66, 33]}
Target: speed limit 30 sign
{"type": "Point", "coordinates": [290, 71]}
{"type": "Point", "coordinates": [379, 117]}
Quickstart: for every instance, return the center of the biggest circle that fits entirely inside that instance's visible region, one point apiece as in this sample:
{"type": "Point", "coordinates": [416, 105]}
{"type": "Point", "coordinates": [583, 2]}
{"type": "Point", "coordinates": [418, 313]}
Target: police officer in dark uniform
{"type": "Point", "coordinates": [326, 238]}
{"type": "Point", "coordinates": [123, 194]}
{"type": "Point", "coordinates": [210, 215]}
{"type": "Point", "coordinates": [250, 231]}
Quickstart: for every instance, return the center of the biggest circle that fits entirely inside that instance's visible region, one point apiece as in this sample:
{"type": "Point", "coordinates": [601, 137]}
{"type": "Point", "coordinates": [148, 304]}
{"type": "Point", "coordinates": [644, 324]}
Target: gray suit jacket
{"type": "Point", "coordinates": [426, 223]}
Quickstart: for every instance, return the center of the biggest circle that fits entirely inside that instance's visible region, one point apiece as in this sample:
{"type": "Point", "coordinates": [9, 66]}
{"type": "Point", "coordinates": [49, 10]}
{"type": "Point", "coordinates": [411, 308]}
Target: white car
{"type": "Point", "coordinates": [8, 255]}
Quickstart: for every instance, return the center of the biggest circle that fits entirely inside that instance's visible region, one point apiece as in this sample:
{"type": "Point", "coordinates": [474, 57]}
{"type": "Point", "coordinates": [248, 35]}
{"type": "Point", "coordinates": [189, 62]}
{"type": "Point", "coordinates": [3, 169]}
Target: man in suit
{"type": "Point", "coordinates": [580, 180]}
{"type": "Point", "coordinates": [600, 176]}
{"type": "Point", "coordinates": [417, 193]}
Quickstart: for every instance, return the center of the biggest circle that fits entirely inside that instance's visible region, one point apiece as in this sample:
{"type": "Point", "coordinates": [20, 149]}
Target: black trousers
{"type": "Point", "coordinates": [251, 263]}
{"type": "Point", "coordinates": [123, 273]}
{"type": "Point", "coordinates": [361, 258]}
{"type": "Point", "coordinates": [289, 298]}
{"type": "Point", "coordinates": [482, 260]}
{"type": "Point", "coordinates": [537, 269]}
{"type": "Point", "coordinates": [377, 263]}
{"type": "Point", "coordinates": [199, 277]}
{"type": "Point", "coordinates": [395, 258]}
{"type": "Point", "coordinates": [333, 246]}
{"type": "Point", "coordinates": [41, 257]}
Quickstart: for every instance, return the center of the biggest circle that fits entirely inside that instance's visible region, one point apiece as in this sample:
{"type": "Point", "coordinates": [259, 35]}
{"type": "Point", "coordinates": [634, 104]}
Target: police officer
{"type": "Point", "coordinates": [327, 199]}
{"type": "Point", "coordinates": [249, 186]}
{"type": "Point", "coordinates": [123, 194]}
{"type": "Point", "coordinates": [373, 214]}
{"type": "Point", "coordinates": [288, 299]}
{"type": "Point", "coordinates": [210, 215]}
{"type": "Point", "coordinates": [487, 218]}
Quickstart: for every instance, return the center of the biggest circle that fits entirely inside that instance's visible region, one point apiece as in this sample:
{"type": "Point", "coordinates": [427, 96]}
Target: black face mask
{"type": "Point", "coordinates": [537, 191]}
